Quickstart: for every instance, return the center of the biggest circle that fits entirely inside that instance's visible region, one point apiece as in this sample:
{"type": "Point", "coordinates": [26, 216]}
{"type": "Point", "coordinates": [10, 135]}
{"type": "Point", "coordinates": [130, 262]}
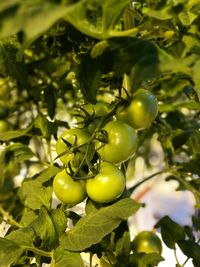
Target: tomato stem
{"type": "Point", "coordinates": [40, 252]}
{"type": "Point", "coordinates": [9, 218]}
{"type": "Point", "coordinates": [133, 188]}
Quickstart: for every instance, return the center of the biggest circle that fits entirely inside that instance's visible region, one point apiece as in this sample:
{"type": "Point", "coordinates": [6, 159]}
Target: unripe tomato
{"type": "Point", "coordinates": [68, 190]}
{"type": "Point", "coordinates": [107, 185]}
{"type": "Point", "coordinates": [147, 242]}
{"type": "Point", "coordinates": [121, 143]}
{"type": "Point", "coordinates": [80, 136]}
{"type": "Point", "coordinates": [141, 112]}
{"type": "Point", "coordinates": [4, 126]}
{"type": "Point", "coordinates": [4, 89]}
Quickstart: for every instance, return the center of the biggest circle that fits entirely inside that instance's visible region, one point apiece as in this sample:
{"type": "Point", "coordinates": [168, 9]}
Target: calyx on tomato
{"type": "Point", "coordinates": [68, 142]}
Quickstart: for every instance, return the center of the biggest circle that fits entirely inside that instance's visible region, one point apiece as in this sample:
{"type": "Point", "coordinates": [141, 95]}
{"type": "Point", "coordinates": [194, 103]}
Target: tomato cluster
{"type": "Point", "coordinates": [93, 151]}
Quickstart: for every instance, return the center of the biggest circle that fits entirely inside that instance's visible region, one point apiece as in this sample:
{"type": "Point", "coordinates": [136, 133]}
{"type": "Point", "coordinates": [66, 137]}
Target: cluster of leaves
{"type": "Point", "coordinates": [52, 55]}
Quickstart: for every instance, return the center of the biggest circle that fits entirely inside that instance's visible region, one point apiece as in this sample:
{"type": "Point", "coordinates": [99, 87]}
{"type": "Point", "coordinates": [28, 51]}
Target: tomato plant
{"type": "Point", "coordinates": [109, 89]}
{"type": "Point", "coordinates": [67, 189]}
{"type": "Point", "coordinates": [120, 142]}
{"type": "Point", "coordinates": [147, 242]}
{"type": "Point", "coordinates": [107, 185]}
{"type": "Point", "coordinates": [141, 111]}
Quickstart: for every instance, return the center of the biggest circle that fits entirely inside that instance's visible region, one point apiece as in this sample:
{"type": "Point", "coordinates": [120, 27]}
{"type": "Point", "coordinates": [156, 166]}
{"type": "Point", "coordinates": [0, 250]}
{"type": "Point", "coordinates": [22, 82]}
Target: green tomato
{"type": "Point", "coordinates": [147, 242]}
{"type": "Point", "coordinates": [107, 185]}
{"type": "Point", "coordinates": [72, 136]}
{"type": "Point", "coordinates": [68, 190]}
{"type": "Point", "coordinates": [4, 126]}
{"type": "Point", "coordinates": [121, 142]}
{"type": "Point", "coordinates": [141, 112]}
{"type": "Point", "coordinates": [4, 89]}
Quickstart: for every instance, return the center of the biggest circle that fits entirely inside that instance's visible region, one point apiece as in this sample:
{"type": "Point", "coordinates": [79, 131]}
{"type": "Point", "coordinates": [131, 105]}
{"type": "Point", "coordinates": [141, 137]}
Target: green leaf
{"type": "Point", "coordinates": [171, 231]}
{"type": "Point", "coordinates": [91, 228]}
{"type": "Point", "coordinates": [112, 10]}
{"type": "Point", "coordinates": [14, 244]}
{"type": "Point", "coordinates": [63, 258]}
{"type": "Point", "coordinates": [49, 226]}
{"type": "Point", "coordinates": [59, 221]}
{"type": "Point", "coordinates": [190, 249]}
{"type": "Point", "coordinates": [8, 4]}
{"type": "Point", "coordinates": [19, 152]}
{"type": "Point", "coordinates": [35, 195]}
{"type": "Point", "coordinates": [46, 127]}
{"type": "Point", "coordinates": [123, 245]}
{"type": "Point", "coordinates": [196, 222]}
{"type": "Point", "coordinates": [196, 77]}
{"type": "Point", "coordinates": [24, 237]}
{"type": "Point", "coordinates": [98, 18]}
{"type": "Point", "coordinates": [89, 77]}
{"type": "Point", "coordinates": [28, 217]}
{"type": "Point", "coordinates": [11, 157]}
{"type": "Point", "coordinates": [28, 18]}
{"type": "Point", "coordinates": [91, 206]}
{"type": "Point", "coordinates": [191, 44]}
{"type": "Point", "coordinates": [9, 252]}
{"type": "Point", "coordinates": [34, 13]}
{"type": "Point", "coordinates": [163, 14]}
{"type": "Point", "coordinates": [167, 63]}
{"type": "Point", "coordinates": [139, 58]}
{"type": "Point", "coordinates": [9, 65]}
{"type": "Point", "coordinates": [190, 104]}
{"type": "Point", "coordinates": [10, 135]}
{"type": "Point", "coordinates": [47, 174]}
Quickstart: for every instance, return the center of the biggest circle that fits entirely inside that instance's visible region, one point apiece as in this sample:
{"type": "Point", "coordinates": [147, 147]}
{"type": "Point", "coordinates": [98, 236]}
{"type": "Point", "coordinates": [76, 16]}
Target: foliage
{"type": "Point", "coordinates": [56, 56]}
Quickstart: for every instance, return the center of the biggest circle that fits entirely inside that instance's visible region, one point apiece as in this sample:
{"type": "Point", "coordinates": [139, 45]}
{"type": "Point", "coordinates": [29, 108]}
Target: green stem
{"type": "Point", "coordinates": [177, 261]}
{"type": "Point", "coordinates": [128, 18]}
{"type": "Point", "coordinates": [9, 219]}
{"type": "Point", "coordinates": [188, 187]}
{"type": "Point", "coordinates": [91, 255]}
{"type": "Point", "coordinates": [49, 152]}
{"type": "Point", "coordinates": [146, 179]}
{"type": "Point", "coordinates": [40, 252]}
{"type": "Point", "coordinates": [129, 33]}
{"type": "Point", "coordinates": [185, 262]}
